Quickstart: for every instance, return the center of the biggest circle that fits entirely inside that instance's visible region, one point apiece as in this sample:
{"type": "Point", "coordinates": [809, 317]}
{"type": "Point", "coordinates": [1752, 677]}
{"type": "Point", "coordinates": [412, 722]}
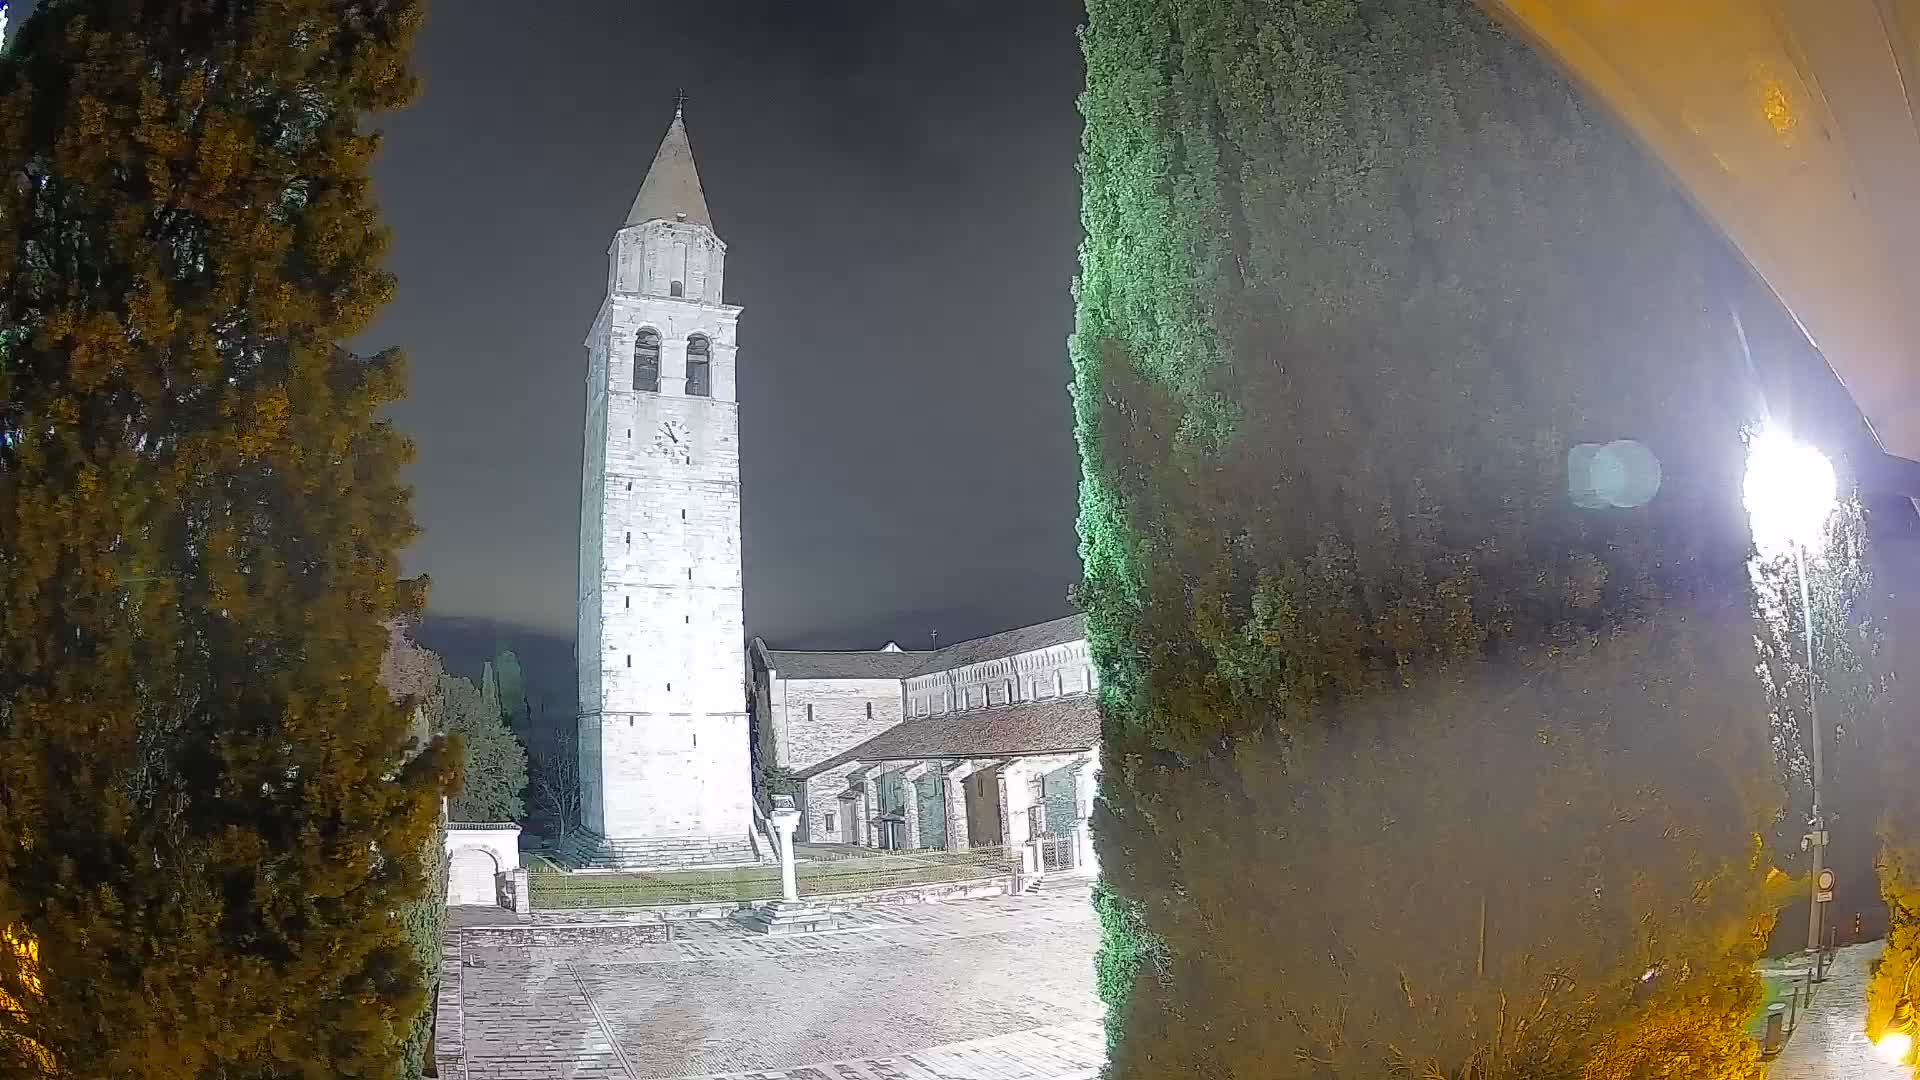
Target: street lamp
{"type": "Point", "coordinates": [1894, 1047]}
{"type": "Point", "coordinates": [1789, 493]}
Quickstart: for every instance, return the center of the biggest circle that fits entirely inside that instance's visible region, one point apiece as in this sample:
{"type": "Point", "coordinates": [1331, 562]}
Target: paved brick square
{"type": "Point", "coordinates": [1829, 1039]}
{"type": "Point", "coordinates": [993, 989]}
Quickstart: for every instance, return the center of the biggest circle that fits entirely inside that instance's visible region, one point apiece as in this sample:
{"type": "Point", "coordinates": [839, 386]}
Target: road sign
{"type": "Point", "coordinates": [1824, 895]}
{"type": "Point", "coordinates": [1826, 881]}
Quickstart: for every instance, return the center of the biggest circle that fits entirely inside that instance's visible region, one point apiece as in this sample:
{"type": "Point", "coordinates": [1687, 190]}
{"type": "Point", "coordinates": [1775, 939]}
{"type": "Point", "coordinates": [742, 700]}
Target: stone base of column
{"type": "Point", "coordinates": [780, 917]}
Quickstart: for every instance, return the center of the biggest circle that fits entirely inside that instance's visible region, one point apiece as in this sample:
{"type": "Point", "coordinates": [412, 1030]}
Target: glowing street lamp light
{"type": "Point", "coordinates": [1789, 492]}
{"type": "Point", "coordinates": [1894, 1047]}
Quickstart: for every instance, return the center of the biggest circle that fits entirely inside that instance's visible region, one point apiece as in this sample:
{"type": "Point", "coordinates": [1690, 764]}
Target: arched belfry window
{"type": "Point", "coordinates": [676, 289]}
{"type": "Point", "coordinates": [699, 368]}
{"type": "Point", "coordinates": [646, 361]}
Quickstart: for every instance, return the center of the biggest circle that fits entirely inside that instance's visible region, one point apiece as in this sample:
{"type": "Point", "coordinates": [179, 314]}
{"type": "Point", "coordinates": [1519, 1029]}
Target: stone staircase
{"type": "Point", "coordinates": [589, 851]}
{"type": "Point", "coordinates": [782, 917]}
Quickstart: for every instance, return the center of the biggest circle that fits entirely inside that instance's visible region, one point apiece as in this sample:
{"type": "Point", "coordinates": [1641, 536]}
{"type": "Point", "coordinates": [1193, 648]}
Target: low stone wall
{"type": "Point", "coordinates": [973, 888]}
{"type": "Point", "coordinates": [614, 933]}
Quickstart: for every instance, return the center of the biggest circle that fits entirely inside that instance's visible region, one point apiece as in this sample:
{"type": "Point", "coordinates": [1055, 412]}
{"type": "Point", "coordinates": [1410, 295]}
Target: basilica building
{"type": "Point", "coordinates": [985, 743]}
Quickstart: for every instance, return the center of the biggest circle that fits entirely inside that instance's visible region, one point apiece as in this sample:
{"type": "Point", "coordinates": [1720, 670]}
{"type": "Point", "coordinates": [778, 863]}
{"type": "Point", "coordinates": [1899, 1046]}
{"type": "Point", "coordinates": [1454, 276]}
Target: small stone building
{"type": "Point", "coordinates": [989, 742]}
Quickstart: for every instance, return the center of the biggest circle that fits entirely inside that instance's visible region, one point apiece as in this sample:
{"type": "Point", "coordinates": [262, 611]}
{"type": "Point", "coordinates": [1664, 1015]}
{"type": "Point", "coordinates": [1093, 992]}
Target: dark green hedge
{"type": "Point", "coordinates": [1411, 761]}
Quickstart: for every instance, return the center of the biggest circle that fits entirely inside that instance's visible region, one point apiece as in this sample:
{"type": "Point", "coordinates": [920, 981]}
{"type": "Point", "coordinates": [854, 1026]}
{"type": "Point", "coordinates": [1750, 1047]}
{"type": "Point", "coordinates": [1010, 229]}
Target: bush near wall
{"type": "Point", "coordinates": [1412, 764]}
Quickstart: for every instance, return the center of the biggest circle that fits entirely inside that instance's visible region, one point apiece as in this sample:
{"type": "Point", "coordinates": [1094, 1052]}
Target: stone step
{"type": "Point", "coordinates": [779, 917]}
{"type": "Point", "coordinates": [585, 851]}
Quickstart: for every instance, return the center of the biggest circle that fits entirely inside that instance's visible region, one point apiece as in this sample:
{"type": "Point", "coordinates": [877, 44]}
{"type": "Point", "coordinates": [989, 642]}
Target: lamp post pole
{"type": "Point", "coordinates": [1819, 845]}
{"type": "Point", "coordinates": [1789, 492]}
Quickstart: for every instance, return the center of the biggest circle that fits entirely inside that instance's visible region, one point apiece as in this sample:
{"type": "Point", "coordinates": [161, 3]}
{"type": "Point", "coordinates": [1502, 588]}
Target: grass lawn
{"type": "Point", "coordinates": [553, 887]}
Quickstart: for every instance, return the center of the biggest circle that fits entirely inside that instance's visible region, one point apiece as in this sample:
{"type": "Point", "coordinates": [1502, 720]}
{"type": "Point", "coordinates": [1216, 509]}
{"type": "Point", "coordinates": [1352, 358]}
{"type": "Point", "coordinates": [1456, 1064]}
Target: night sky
{"type": "Point", "coordinates": [896, 187]}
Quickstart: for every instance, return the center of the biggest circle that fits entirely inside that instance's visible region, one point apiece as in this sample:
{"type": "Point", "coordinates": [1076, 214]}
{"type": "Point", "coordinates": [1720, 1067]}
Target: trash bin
{"type": "Point", "coordinates": [1776, 1034]}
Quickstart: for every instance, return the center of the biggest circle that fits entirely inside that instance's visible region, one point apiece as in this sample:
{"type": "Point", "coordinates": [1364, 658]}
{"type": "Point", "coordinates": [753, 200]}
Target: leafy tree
{"type": "Point", "coordinates": [412, 674]}
{"type": "Point", "coordinates": [493, 763]}
{"type": "Point", "coordinates": [1848, 679]}
{"type": "Point", "coordinates": [510, 682]}
{"type": "Point", "coordinates": [1418, 759]}
{"type": "Point", "coordinates": [210, 810]}
{"type": "Point", "coordinates": [554, 780]}
{"type": "Point", "coordinates": [1893, 995]}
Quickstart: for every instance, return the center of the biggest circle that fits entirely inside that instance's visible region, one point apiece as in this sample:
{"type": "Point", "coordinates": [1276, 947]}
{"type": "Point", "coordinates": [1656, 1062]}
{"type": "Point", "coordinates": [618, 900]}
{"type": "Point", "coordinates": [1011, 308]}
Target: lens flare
{"type": "Point", "coordinates": [1894, 1046]}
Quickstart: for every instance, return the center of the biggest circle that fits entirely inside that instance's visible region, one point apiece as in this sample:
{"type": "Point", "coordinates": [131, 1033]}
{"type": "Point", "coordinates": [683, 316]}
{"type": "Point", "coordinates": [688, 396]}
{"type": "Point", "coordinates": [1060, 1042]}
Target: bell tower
{"type": "Point", "coordinates": [664, 764]}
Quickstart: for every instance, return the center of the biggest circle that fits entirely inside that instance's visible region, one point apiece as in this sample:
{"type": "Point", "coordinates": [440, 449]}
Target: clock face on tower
{"type": "Point", "coordinates": [673, 442]}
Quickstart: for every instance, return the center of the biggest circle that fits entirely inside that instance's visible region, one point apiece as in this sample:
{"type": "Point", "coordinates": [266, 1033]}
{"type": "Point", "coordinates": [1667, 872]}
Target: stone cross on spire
{"type": "Point", "coordinates": [671, 191]}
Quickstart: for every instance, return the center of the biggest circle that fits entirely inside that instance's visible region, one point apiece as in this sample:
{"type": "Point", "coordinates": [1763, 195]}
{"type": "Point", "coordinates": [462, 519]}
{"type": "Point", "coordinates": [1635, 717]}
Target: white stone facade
{"type": "Point", "coordinates": [816, 719]}
{"type": "Point", "coordinates": [1029, 676]}
{"type": "Point", "coordinates": [941, 749]}
{"type": "Point", "coordinates": [477, 856]}
{"type": "Point", "coordinates": [663, 724]}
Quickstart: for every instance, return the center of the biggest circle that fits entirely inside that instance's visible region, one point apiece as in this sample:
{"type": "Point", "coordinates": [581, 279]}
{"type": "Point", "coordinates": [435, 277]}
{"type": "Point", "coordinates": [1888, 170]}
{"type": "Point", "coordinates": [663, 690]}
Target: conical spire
{"type": "Point", "coordinates": [672, 187]}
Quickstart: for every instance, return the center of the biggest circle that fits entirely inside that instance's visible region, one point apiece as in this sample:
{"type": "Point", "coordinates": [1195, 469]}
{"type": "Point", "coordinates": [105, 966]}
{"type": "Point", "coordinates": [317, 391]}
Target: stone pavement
{"type": "Point", "coordinates": [992, 989]}
{"type": "Point", "coordinates": [1829, 1041]}
{"type": "Point", "coordinates": [1073, 1051]}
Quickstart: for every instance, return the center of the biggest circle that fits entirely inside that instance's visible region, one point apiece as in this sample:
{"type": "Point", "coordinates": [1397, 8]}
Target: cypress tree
{"type": "Point", "coordinates": [211, 813]}
{"type": "Point", "coordinates": [1414, 561]}
{"type": "Point", "coordinates": [493, 769]}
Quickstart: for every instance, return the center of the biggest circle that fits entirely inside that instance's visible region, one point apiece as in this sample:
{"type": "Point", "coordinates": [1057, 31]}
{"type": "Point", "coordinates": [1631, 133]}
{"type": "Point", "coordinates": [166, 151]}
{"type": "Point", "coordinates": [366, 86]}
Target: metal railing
{"type": "Point", "coordinates": [1057, 851]}
{"type": "Point", "coordinates": [551, 889]}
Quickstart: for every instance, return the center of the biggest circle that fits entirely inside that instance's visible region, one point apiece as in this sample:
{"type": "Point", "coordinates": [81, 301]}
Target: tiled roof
{"type": "Point", "coordinates": [1052, 725]}
{"type": "Point", "coordinates": [672, 186]}
{"type": "Point", "coordinates": [846, 665]}
{"type": "Point", "coordinates": [881, 664]}
{"type": "Point", "coordinates": [1024, 639]}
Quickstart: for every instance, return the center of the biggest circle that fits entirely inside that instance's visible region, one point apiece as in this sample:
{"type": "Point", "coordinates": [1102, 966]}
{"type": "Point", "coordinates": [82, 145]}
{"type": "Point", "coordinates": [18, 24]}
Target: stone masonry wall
{"type": "Point", "coordinates": [1062, 669]}
{"type": "Point", "coordinates": [823, 796]}
{"type": "Point", "coordinates": [814, 719]}
{"type": "Point", "coordinates": [661, 616]}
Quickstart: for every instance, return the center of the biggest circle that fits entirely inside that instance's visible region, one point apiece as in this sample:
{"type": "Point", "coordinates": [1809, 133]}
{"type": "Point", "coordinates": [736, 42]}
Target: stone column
{"type": "Point", "coordinates": [869, 812]}
{"type": "Point", "coordinates": [910, 809]}
{"type": "Point", "coordinates": [1085, 860]}
{"type": "Point", "coordinates": [1013, 804]}
{"type": "Point", "coordinates": [954, 789]}
{"type": "Point", "coordinates": [910, 790]}
{"type": "Point", "coordinates": [1014, 800]}
{"type": "Point", "coordinates": [784, 821]}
